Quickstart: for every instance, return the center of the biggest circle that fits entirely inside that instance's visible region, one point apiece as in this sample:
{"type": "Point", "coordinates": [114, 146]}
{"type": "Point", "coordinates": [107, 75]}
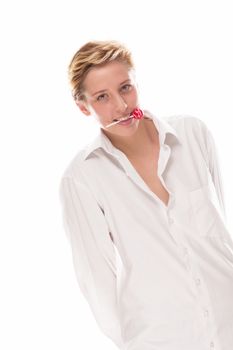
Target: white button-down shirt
{"type": "Point", "coordinates": [156, 276]}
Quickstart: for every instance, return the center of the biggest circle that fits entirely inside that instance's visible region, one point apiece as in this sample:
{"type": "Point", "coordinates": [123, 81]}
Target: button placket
{"type": "Point", "coordinates": [162, 161]}
{"type": "Point", "coordinates": [185, 252]}
{"type": "Point", "coordinates": [205, 309]}
{"type": "Point", "coordinates": [170, 205]}
{"type": "Point", "coordinates": [170, 220]}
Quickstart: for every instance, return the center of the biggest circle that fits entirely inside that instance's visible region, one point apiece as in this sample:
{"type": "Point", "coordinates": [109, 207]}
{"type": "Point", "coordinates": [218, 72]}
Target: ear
{"type": "Point", "coordinates": [83, 107]}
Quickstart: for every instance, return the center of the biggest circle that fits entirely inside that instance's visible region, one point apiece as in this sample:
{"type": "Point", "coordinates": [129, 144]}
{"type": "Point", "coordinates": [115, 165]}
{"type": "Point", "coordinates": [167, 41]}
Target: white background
{"type": "Point", "coordinates": [183, 54]}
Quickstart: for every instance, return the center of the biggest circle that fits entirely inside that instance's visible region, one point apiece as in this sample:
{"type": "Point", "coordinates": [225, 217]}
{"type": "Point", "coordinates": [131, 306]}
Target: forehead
{"type": "Point", "coordinates": [109, 74]}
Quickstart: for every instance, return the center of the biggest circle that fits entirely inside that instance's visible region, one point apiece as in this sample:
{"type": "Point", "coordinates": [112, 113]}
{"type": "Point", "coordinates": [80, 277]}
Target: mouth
{"type": "Point", "coordinates": [137, 113]}
{"type": "Point", "coordinates": [122, 119]}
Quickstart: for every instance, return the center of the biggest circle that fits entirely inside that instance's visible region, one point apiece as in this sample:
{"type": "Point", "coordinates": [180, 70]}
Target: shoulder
{"type": "Point", "coordinates": [72, 178]}
{"type": "Point", "coordinates": [187, 120]}
{"type": "Point", "coordinates": [75, 165]}
{"type": "Point", "coordinates": [188, 125]}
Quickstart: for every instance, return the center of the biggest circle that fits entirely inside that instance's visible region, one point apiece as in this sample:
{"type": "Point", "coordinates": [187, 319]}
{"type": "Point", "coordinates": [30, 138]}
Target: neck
{"type": "Point", "coordinates": [140, 143]}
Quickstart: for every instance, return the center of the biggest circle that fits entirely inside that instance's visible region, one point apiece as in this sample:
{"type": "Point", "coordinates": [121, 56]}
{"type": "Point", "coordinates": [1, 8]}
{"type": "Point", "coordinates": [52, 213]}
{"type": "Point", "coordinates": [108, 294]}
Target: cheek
{"type": "Point", "coordinates": [133, 97]}
{"type": "Point", "coordinates": [102, 110]}
{"type": "Point", "coordinates": [97, 107]}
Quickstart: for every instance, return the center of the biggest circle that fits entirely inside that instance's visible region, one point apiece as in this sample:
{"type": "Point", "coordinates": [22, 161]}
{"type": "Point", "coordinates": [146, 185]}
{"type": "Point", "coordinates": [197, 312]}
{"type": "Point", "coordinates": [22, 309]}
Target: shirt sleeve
{"type": "Point", "coordinates": [93, 254]}
{"type": "Point", "coordinates": [215, 170]}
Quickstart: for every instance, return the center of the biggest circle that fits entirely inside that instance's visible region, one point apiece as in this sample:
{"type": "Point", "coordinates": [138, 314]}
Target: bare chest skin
{"type": "Point", "coordinates": [146, 162]}
{"type": "Point", "coordinates": [147, 169]}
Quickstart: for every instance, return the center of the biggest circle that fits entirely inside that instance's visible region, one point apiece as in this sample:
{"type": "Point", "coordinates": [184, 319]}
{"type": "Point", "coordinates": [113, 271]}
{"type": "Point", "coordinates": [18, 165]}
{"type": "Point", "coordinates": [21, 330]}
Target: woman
{"type": "Point", "coordinates": [151, 253]}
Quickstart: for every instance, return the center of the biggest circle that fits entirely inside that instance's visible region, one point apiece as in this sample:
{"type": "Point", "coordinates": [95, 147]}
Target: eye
{"type": "Point", "coordinates": [126, 87]}
{"type": "Point", "coordinates": [102, 97]}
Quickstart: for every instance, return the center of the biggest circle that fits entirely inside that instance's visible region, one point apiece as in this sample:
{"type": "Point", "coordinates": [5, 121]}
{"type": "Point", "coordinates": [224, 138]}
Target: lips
{"type": "Point", "coordinates": [123, 118]}
{"type": "Point", "coordinates": [137, 113]}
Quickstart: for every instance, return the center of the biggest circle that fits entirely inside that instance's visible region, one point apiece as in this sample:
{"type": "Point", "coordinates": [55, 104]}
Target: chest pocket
{"type": "Point", "coordinates": [206, 218]}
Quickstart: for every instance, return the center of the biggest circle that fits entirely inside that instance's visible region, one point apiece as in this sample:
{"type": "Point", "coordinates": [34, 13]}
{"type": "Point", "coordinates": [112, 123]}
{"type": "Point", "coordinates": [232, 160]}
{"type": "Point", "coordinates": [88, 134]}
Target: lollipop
{"type": "Point", "coordinates": [137, 113]}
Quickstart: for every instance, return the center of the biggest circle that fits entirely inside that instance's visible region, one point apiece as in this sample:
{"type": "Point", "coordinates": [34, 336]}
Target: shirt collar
{"type": "Point", "coordinates": [102, 141]}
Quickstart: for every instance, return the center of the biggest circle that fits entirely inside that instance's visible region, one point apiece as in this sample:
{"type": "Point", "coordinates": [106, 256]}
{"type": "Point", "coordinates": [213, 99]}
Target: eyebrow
{"type": "Point", "coordinates": [105, 89]}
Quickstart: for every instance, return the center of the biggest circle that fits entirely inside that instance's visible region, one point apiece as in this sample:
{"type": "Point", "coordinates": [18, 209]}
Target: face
{"type": "Point", "coordinates": [111, 93]}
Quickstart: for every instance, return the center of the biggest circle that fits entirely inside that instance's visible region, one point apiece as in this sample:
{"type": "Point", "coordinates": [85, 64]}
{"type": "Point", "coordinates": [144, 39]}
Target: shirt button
{"type": "Point", "coordinates": [212, 345]}
{"type": "Point", "coordinates": [198, 281]}
{"type": "Point", "coordinates": [206, 313]}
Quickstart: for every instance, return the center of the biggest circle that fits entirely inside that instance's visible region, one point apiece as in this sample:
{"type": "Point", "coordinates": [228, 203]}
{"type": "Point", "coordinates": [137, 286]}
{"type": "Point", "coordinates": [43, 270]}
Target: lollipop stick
{"type": "Point", "coordinates": [118, 121]}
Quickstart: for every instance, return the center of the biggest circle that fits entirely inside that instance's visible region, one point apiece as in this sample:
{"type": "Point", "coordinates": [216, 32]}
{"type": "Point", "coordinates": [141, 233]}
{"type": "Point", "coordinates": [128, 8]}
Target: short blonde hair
{"type": "Point", "coordinates": [92, 54]}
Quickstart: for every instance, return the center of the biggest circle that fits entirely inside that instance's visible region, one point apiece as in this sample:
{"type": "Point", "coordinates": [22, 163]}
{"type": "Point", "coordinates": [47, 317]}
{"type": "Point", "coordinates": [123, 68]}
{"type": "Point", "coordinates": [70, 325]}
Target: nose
{"type": "Point", "coordinates": [120, 104]}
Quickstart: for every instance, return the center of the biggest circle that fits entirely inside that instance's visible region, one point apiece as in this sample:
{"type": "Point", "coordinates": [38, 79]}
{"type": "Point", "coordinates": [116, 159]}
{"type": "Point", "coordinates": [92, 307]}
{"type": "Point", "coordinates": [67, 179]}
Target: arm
{"type": "Point", "coordinates": [93, 254]}
{"type": "Point", "coordinates": [214, 168]}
